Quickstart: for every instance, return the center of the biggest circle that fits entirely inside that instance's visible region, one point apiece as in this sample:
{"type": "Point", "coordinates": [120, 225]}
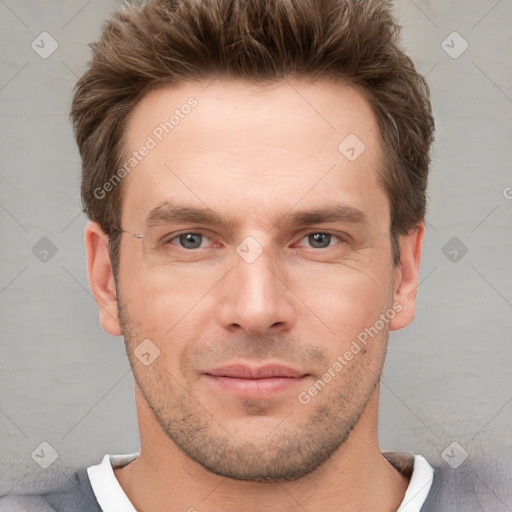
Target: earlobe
{"type": "Point", "coordinates": [101, 277]}
{"type": "Point", "coordinates": [406, 283]}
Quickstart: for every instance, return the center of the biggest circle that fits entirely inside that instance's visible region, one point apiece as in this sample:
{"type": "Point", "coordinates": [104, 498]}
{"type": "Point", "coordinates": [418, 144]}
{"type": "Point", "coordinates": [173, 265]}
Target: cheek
{"type": "Point", "coordinates": [346, 300]}
{"type": "Point", "coordinates": [166, 307]}
{"type": "Point", "coordinates": [177, 303]}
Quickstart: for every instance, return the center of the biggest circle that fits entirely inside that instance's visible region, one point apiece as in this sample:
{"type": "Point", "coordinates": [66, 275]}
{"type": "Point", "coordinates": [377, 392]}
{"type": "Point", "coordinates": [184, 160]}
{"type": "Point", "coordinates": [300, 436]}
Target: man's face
{"type": "Point", "coordinates": [247, 317]}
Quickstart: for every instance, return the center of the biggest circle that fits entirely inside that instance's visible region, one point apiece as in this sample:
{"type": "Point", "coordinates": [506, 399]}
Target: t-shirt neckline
{"type": "Point", "coordinates": [112, 498]}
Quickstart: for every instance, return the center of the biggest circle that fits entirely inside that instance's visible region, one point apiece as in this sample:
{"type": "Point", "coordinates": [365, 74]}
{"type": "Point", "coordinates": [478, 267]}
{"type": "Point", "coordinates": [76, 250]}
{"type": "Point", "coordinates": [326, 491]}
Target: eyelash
{"type": "Point", "coordinates": [175, 237]}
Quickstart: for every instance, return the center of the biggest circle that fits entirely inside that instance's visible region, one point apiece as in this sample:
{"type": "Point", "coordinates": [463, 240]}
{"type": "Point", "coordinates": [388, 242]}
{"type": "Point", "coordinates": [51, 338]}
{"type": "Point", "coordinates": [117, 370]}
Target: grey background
{"type": "Point", "coordinates": [65, 382]}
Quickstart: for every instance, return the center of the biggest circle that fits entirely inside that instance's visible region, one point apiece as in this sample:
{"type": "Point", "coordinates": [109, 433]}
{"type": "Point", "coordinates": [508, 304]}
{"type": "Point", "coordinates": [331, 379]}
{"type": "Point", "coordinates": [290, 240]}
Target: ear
{"type": "Point", "coordinates": [407, 276]}
{"type": "Point", "coordinates": [101, 277]}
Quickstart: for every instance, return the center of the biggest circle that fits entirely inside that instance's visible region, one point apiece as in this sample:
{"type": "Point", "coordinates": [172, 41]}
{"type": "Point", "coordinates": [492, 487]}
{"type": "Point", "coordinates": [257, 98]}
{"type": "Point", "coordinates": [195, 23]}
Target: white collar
{"type": "Point", "coordinates": [419, 486]}
{"type": "Point", "coordinates": [106, 486]}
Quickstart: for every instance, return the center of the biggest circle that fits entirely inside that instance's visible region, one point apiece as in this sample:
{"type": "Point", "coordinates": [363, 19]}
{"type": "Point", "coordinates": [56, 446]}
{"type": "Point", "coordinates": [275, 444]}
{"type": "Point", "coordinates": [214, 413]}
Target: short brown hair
{"type": "Point", "coordinates": [165, 42]}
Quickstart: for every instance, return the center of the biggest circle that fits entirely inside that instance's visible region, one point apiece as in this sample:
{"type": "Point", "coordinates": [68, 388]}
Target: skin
{"type": "Point", "coordinates": [255, 154]}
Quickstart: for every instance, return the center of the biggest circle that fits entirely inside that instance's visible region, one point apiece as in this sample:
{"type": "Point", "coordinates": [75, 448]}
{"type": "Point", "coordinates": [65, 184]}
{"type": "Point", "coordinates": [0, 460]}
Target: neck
{"type": "Point", "coordinates": [356, 477]}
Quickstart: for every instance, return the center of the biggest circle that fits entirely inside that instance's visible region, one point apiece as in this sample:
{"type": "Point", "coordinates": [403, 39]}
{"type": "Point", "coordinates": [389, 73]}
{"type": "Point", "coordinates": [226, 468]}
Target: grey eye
{"type": "Point", "coordinates": [190, 240]}
{"type": "Point", "coordinates": [319, 240]}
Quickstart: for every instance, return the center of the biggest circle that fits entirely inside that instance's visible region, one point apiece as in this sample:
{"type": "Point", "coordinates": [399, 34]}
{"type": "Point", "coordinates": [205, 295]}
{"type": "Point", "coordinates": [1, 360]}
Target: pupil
{"type": "Point", "coordinates": [317, 239]}
{"type": "Point", "coordinates": [191, 240]}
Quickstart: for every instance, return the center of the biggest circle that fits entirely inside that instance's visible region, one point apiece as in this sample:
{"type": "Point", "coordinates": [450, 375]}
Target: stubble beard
{"type": "Point", "coordinates": [291, 451]}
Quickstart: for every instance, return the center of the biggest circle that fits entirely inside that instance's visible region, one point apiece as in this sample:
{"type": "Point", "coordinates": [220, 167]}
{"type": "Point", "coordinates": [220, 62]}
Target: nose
{"type": "Point", "coordinates": [256, 296]}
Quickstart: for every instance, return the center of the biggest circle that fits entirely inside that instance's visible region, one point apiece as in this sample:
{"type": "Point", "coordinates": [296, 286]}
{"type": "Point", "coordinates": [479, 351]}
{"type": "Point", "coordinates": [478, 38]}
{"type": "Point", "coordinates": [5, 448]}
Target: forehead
{"type": "Point", "coordinates": [253, 148]}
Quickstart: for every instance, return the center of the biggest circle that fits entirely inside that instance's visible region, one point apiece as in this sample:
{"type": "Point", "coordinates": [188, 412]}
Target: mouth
{"type": "Point", "coordinates": [255, 381]}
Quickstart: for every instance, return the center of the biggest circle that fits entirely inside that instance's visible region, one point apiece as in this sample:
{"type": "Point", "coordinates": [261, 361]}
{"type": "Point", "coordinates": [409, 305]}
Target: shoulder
{"type": "Point", "coordinates": [24, 503]}
{"type": "Point", "coordinates": [482, 483]}
{"type": "Point", "coordinates": [74, 493]}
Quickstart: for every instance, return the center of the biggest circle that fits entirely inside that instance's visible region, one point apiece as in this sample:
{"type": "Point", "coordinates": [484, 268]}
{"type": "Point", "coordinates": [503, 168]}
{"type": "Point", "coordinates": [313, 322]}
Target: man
{"type": "Point", "coordinates": [255, 174]}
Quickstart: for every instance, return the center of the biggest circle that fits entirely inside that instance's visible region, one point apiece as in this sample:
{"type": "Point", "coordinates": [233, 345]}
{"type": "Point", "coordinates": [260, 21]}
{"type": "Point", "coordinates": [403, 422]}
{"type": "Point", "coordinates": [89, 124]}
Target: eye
{"type": "Point", "coordinates": [321, 240]}
{"type": "Point", "coordinates": [188, 240]}
{"type": "Point", "coordinates": [191, 240]}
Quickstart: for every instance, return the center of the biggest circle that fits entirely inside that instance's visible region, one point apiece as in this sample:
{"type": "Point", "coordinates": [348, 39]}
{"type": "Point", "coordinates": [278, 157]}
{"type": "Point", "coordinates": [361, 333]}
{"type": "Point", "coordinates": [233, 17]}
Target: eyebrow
{"type": "Point", "coordinates": [169, 213]}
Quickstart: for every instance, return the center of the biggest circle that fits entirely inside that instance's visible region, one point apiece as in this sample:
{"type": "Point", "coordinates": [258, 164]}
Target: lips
{"type": "Point", "coordinates": [256, 382]}
{"type": "Point", "coordinates": [240, 371]}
